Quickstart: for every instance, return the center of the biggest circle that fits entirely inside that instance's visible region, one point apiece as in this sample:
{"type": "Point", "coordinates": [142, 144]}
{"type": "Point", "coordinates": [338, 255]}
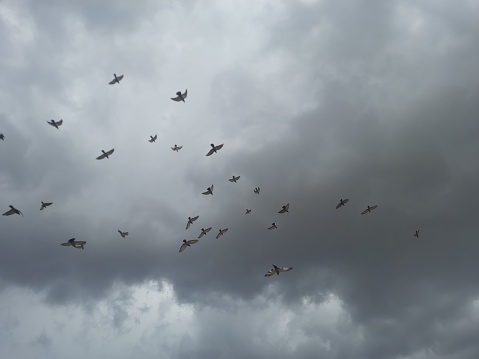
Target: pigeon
{"type": "Point", "coordinates": [248, 211]}
{"type": "Point", "coordinates": [342, 202]}
{"type": "Point", "coordinates": [276, 270]}
{"type": "Point", "coordinates": [190, 221]}
{"type": "Point", "coordinates": [369, 209]}
{"type": "Point", "coordinates": [105, 154]}
{"type": "Point", "coordinates": [204, 231]}
{"type": "Point", "coordinates": [45, 205]}
{"type": "Point", "coordinates": [214, 149]}
{"type": "Point", "coordinates": [12, 210]}
{"type": "Point", "coordinates": [180, 96]}
{"type": "Point", "coordinates": [273, 226]}
{"type": "Point", "coordinates": [221, 232]}
{"type": "Point", "coordinates": [209, 190]}
{"type": "Point", "coordinates": [74, 244]}
{"type": "Point", "coordinates": [152, 138]}
{"type": "Point", "coordinates": [123, 234]}
{"type": "Point", "coordinates": [2, 137]}
{"type": "Point", "coordinates": [234, 179]}
{"type": "Point", "coordinates": [176, 148]}
{"type": "Point", "coordinates": [55, 124]}
{"type": "Point", "coordinates": [416, 234]}
{"type": "Point", "coordinates": [116, 80]}
{"type": "Point", "coordinates": [285, 208]}
{"type": "Point", "coordinates": [256, 190]}
{"type": "Point", "coordinates": [187, 244]}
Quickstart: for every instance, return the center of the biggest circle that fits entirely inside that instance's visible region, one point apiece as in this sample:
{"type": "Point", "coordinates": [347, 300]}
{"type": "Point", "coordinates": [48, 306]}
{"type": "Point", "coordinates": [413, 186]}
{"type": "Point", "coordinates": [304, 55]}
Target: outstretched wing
{"type": "Point", "coordinates": [185, 93]}
{"type": "Point", "coordinates": [210, 152]}
{"type": "Point", "coordinates": [177, 98]}
{"type": "Point", "coordinates": [373, 207]}
{"type": "Point", "coordinates": [110, 152]}
{"type": "Point", "coordinates": [102, 156]}
{"type": "Point", "coordinates": [194, 218]}
{"type": "Point", "coordinates": [59, 123]}
{"type": "Point", "coordinates": [285, 269]}
{"type": "Point", "coordinates": [183, 247]}
{"type": "Point", "coordinates": [219, 234]}
{"type": "Point", "coordinates": [219, 147]}
{"type": "Point", "coordinates": [269, 273]}
{"type": "Point", "coordinates": [9, 212]}
{"type": "Point", "coordinates": [192, 241]}
{"type": "Point", "coordinates": [365, 211]}
{"type": "Point", "coordinates": [208, 229]}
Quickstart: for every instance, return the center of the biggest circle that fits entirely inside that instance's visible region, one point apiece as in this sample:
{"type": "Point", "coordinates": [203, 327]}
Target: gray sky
{"type": "Point", "coordinates": [375, 101]}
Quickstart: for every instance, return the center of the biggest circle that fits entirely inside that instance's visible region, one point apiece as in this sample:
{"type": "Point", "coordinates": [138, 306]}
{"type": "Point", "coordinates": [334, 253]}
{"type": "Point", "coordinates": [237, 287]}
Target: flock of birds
{"type": "Point", "coordinates": [209, 191]}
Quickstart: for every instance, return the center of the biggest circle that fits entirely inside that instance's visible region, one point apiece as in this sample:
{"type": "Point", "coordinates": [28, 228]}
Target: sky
{"type": "Point", "coordinates": [314, 101]}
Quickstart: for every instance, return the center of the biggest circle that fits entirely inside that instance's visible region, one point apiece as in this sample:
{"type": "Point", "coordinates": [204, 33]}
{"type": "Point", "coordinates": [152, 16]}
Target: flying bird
{"type": "Point", "coordinates": [248, 211]}
{"type": "Point", "coordinates": [152, 138]}
{"type": "Point", "coordinates": [276, 270]}
{"type": "Point", "coordinates": [45, 205]}
{"type": "Point", "coordinates": [123, 234]}
{"type": "Point", "coordinates": [256, 190]}
{"type": "Point", "coordinates": [221, 232]}
{"type": "Point", "coordinates": [285, 208]}
{"type": "Point", "coordinates": [234, 179]}
{"type": "Point", "coordinates": [55, 124]}
{"type": "Point", "coordinates": [116, 80]}
{"type": "Point", "coordinates": [12, 210]}
{"type": "Point", "coordinates": [214, 149]}
{"type": "Point", "coordinates": [416, 234]}
{"type": "Point", "coordinates": [180, 96]}
{"type": "Point", "coordinates": [74, 244]}
{"type": "Point", "coordinates": [204, 231]}
{"type": "Point", "coordinates": [342, 202]}
{"type": "Point", "coordinates": [176, 148]}
{"type": "Point", "coordinates": [105, 154]}
{"type": "Point", "coordinates": [209, 190]}
{"type": "Point", "coordinates": [273, 226]}
{"type": "Point", "coordinates": [369, 209]}
{"type": "Point", "coordinates": [2, 137]}
{"type": "Point", "coordinates": [187, 244]}
{"type": "Point", "coordinates": [190, 221]}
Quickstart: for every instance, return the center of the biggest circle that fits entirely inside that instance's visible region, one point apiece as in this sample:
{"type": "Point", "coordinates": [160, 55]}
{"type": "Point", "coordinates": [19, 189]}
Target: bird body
{"type": "Point", "coordinates": [416, 234]}
{"type": "Point", "coordinates": [45, 205]}
{"type": "Point", "coordinates": [180, 96]}
{"type": "Point", "coordinates": [116, 80]}
{"type": "Point", "coordinates": [55, 124]}
{"type": "Point", "coordinates": [105, 154]}
{"type": "Point", "coordinates": [214, 149]}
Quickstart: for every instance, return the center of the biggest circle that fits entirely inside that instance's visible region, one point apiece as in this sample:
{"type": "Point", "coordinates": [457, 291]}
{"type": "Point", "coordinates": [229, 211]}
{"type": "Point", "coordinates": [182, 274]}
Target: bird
{"type": "Point", "coordinates": [204, 231]}
{"type": "Point", "coordinates": [45, 205]}
{"type": "Point", "coordinates": [276, 270]}
{"type": "Point", "coordinates": [180, 96]}
{"type": "Point", "coordinates": [152, 138]}
{"type": "Point", "coordinates": [416, 234]}
{"type": "Point", "coordinates": [116, 80]}
{"type": "Point", "coordinates": [285, 208]}
{"type": "Point", "coordinates": [214, 149]}
{"type": "Point", "coordinates": [256, 190]}
{"type": "Point", "coordinates": [234, 179]}
{"type": "Point", "coordinates": [105, 154]}
{"type": "Point", "coordinates": [176, 148]}
{"type": "Point", "coordinates": [74, 244]}
{"type": "Point", "coordinates": [123, 234]}
{"type": "Point", "coordinates": [209, 190]}
{"type": "Point", "coordinates": [11, 211]}
{"type": "Point", "coordinates": [190, 221]}
{"type": "Point", "coordinates": [273, 226]}
{"type": "Point", "coordinates": [221, 232]}
{"type": "Point", "coordinates": [369, 209]}
{"type": "Point", "coordinates": [248, 211]}
{"type": "Point", "coordinates": [342, 202]}
{"type": "Point", "coordinates": [55, 124]}
{"type": "Point", "coordinates": [187, 244]}
{"type": "Point", "coordinates": [2, 137]}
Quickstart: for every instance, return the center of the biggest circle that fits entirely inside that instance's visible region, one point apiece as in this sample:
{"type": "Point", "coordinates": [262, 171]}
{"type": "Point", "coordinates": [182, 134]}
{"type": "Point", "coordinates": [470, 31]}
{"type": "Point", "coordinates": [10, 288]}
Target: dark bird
{"type": "Point", "coordinates": [187, 244]}
{"type": "Point", "coordinates": [105, 154]}
{"type": "Point", "coordinates": [2, 137]}
{"type": "Point", "coordinates": [369, 209]}
{"type": "Point", "coordinates": [234, 179]}
{"type": "Point", "coordinates": [209, 190]}
{"type": "Point", "coordinates": [74, 244]}
{"type": "Point", "coordinates": [123, 234]}
{"type": "Point", "coordinates": [416, 234]}
{"type": "Point", "coordinates": [45, 205]}
{"type": "Point", "coordinates": [248, 211]}
{"type": "Point", "coordinates": [285, 208]}
{"type": "Point", "coordinates": [180, 96]}
{"type": "Point", "coordinates": [256, 190]}
{"type": "Point", "coordinates": [204, 232]}
{"type": "Point", "coordinates": [221, 232]}
{"type": "Point", "coordinates": [190, 221]}
{"type": "Point", "coordinates": [55, 124]}
{"type": "Point", "coordinates": [214, 149]}
{"type": "Point", "coordinates": [273, 226]}
{"type": "Point", "coordinates": [116, 80]}
{"type": "Point", "coordinates": [342, 202]}
{"type": "Point", "coordinates": [176, 148]}
{"type": "Point", "coordinates": [276, 270]}
{"type": "Point", "coordinates": [152, 138]}
{"type": "Point", "coordinates": [11, 211]}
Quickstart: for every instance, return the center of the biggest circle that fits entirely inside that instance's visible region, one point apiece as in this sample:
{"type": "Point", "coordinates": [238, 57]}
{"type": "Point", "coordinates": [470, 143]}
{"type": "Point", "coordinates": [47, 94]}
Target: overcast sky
{"type": "Point", "coordinates": [375, 101]}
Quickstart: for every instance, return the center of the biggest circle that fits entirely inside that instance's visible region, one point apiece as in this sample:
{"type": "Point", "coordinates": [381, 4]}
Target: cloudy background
{"type": "Point", "coordinates": [375, 101]}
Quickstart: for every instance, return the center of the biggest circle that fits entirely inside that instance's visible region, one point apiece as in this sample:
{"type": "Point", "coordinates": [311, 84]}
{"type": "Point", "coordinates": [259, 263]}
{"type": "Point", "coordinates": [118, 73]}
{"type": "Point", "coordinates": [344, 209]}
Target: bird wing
{"type": "Point", "coordinates": [272, 227]}
{"type": "Point", "coordinates": [183, 247]}
{"type": "Point", "coordinates": [373, 207]}
{"type": "Point", "coordinates": [180, 147]}
{"type": "Point", "coordinates": [231, 179]}
{"type": "Point", "coordinates": [110, 152]}
{"type": "Point", "coordinates": [195, 218]}
{"type": "Point", "coordinates": [282, 211]}
{"type": "Point", "coordinates": [112, 82]}
{"type": "Point", "coordinates": [219, 147]}
{"type": "Point", "coordinates": [59, 123]}
{"type": "Point", "coordinates": [185, 93]}
{"type": "Point", "coordinates": [365, 211]}
{"type": "Point", "coordinates": [177, 98]}
{"type": "Point", "coordinates": [285, 269]}
{"type": "Point", "coordinates": [51, 123]}
{"type": "Point", "coordinates": [339, 205]}
{"type": "Point", "coordinates": [102, 156]}
{"type": "Point", "coordinates": [188, 224]}
{"type": "Point", "coordinates": [9, 212]}
{"type": "Point", "coordinates": [192, 241]}
{"type": "Point", "coordinates": [210, 152]}
{"type": "Point", "coordinates": [219, 234]}
{"type": "Point", "coordinates": [269, 273]}
{"type": "Point", "coordinates": [207, 192]}
{"type": "Point", "coordinates": [66, 244]}
{"type": "Point", "coordinates": [119, 78]}
{"type": "Point", "coordinates": [208, 229]}
{"type": "Point", "coordinates": [225, 230]}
